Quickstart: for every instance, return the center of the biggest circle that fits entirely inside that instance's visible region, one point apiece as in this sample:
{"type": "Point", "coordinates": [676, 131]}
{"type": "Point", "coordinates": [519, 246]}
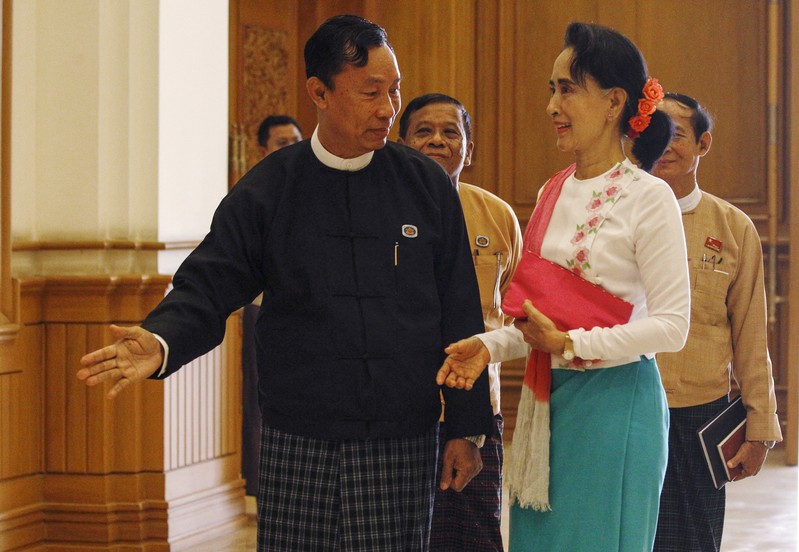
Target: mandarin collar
{"type": "Point", "coordinates": [335, 162]}
{"type": "Point", "coordinates": [690, 202]}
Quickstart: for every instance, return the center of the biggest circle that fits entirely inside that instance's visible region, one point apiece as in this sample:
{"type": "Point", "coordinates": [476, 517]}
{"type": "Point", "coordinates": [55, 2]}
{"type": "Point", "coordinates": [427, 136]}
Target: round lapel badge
{"type": "Point", "coordinates": [410, 231]}
{"type": "Point", "coordinates": [482, 241]}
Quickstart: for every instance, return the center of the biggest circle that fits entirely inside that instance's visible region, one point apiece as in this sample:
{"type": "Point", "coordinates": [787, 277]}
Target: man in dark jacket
{"type": "Point", "coordinates": [361, 252]}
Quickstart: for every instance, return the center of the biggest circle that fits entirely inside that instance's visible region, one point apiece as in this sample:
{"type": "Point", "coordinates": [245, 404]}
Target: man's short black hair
{"type": "Point", "coordinates": [701, 121]}
{"type": "Point", "coordinates": [338, 41]}
{"type": "Point", "coordinates": [421, 101]}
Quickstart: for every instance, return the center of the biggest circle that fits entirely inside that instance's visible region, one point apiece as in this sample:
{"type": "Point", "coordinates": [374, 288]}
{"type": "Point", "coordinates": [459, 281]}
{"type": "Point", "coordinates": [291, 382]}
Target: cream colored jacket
{"type": "Point", "coordinates": [727, 338]}
{"type": "Point", "coordinates": [496, 242]}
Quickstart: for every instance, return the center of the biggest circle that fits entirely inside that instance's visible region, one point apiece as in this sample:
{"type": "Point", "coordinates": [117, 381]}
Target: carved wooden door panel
{"type": "Point", "coordinates": [264, 73]}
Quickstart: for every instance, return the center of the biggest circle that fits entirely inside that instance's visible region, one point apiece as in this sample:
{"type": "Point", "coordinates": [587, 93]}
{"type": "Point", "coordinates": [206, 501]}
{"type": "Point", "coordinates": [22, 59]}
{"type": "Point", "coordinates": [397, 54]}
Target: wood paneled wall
{"type": "Point", "coordinates": [792, 178]}
{"type": "Point", "coordinates": [157, 468]}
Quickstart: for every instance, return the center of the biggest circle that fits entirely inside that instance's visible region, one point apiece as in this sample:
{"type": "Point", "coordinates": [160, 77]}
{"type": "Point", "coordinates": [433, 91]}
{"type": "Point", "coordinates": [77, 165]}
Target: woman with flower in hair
{"type": "Point", "coordinates": [603, 288]}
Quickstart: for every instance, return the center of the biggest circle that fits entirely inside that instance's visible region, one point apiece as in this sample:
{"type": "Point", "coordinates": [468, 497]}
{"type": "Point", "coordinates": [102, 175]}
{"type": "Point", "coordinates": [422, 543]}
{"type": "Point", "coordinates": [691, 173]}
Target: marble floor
{"type": "Point", "coordinates": [761, 514]}
{"type": "Point", "coordinates": [761, 510]}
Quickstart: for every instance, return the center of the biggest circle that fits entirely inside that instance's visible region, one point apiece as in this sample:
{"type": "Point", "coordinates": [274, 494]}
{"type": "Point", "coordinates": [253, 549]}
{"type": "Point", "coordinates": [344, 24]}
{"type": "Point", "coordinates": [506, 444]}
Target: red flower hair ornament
{"type": "Point", "coordinates": [653, 94]}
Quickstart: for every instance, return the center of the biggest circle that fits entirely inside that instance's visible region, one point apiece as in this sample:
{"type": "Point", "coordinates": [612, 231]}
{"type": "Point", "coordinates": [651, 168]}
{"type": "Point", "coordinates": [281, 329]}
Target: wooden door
{"type": "Point", "coordinates": [264, 76]}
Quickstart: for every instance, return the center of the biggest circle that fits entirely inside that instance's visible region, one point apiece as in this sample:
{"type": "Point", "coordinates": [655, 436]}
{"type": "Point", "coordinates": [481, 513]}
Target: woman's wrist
{"type": "Point", "coordinates": [568, 347]}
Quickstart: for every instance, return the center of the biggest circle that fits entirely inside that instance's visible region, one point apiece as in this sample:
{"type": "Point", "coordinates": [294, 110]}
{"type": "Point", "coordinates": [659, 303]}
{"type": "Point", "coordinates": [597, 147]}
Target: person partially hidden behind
{"type": "Point", "coordinates": [727, 340]}
{"type": "Point", "coordinates": [274, 132]}
{"type": "Point", "coordinates": [277, 131]}
{"type": "Point", "coordinates": [440, 126]}
{"type": "Point", "coordinates": [361, 251]}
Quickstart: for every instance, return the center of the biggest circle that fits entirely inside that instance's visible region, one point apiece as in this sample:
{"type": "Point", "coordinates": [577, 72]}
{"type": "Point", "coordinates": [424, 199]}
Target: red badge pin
{"type": "Point", "coordinates": [713, 243]}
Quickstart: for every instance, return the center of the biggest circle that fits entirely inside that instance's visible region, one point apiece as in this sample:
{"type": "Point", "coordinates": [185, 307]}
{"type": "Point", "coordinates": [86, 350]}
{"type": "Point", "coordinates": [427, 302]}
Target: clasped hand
{"type": "Point", "coordinates": [539, 331]}
{"type": "Point", "coordinates": [751, 457]}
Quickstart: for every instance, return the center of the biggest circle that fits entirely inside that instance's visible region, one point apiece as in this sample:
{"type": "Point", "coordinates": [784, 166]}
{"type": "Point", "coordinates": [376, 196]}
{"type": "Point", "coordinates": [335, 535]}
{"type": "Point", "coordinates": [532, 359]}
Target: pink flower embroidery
{"type": "Point", "coordinates": [594, 204]}
{"type": "Point", "coordinates": [579, 235]}
{"type": "Point", "coordinates": [577, 362]}
{"type": "Point", "coordinates": [611, 190]}
{"type": "Point", "coordinates": [594, 221]}
{"type": "Point", "coordinates": [615, 174]}
{"type": "Point", "coordinates": [579, 263]}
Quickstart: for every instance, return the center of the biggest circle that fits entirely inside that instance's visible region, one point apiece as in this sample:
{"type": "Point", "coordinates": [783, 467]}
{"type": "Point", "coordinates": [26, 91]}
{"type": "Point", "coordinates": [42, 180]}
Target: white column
{"type": "Point", "coordinates": [67, 91]}
{"type": "Point", "coordinates": [193, 120]}
{"type": "Point", "coordinates": [119, 126]}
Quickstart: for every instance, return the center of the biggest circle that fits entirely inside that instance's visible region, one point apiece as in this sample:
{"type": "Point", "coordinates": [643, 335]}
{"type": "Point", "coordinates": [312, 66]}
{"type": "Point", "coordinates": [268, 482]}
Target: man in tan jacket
{"type": "Point", "coordinates": [727, 340]}
{"type": "Point", "coordinates": [440, 127]}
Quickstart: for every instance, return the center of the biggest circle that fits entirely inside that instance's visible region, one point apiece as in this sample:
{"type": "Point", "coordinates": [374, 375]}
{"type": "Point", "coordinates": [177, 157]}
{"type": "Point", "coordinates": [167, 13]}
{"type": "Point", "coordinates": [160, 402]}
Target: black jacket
{"type": "Point", "coordinates": [366, 276]}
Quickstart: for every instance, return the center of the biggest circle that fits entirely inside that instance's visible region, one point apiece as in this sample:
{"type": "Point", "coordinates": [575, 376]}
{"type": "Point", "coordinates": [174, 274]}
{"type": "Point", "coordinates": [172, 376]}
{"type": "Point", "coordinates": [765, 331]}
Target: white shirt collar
{"type": "Point", "coordinates": [335, 162]}
{"type": "Point", "coordinates": [689, 202]}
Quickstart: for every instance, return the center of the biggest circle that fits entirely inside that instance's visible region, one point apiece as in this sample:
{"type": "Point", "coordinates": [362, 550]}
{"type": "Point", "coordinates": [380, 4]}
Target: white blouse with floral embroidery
{"type": "Point", "coordinates": [623, 231]}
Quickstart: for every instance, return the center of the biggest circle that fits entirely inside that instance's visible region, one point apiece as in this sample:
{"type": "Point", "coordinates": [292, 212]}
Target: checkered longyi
{"type": "Point", "coordinates": [345, 495]}
{"type": "Point", "coordinates": [691, 508]}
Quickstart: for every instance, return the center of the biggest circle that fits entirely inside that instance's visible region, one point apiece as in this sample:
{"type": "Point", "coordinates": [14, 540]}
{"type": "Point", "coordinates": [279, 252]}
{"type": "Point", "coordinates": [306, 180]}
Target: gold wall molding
{"type": "Point", "coordinates": [78, 245]}
{"type": "Point", "coordinates": [88, 257]}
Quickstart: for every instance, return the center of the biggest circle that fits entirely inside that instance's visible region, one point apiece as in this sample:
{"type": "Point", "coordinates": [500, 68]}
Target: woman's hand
{"type": "Point", "coordinates": [465, 362]}
{"type": "Point", "coordinates": [539, 331]}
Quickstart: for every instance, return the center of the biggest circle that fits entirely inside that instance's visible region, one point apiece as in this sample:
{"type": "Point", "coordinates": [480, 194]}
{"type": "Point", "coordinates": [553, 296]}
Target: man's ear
{"type": "Point", "coordinates": [316, 90]}
{"type": "Point", "coordinates": [400, 140]}
{"type": "Point", "coordinates": [704, 143]}
{"type": "Point", "coordinates": [467, 160]}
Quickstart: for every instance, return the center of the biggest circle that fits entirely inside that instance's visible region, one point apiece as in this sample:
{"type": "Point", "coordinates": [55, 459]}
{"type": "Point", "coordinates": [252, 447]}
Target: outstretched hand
{"type": "Point", "coordinates": [465, 362]}
{"type": "Point", "coordinates": [136, 355]}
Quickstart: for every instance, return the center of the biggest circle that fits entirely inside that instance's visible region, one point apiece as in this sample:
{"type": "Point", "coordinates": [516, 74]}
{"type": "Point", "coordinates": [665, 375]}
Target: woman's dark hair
{"type": "Point", "coordinates": [701, 121]}
{"type": "Point", "coordinates": [615, 62]}
{"type": "Point", "coordinates": [435, 98]}
{"type": "Point", "coordinates": [340, 40]}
